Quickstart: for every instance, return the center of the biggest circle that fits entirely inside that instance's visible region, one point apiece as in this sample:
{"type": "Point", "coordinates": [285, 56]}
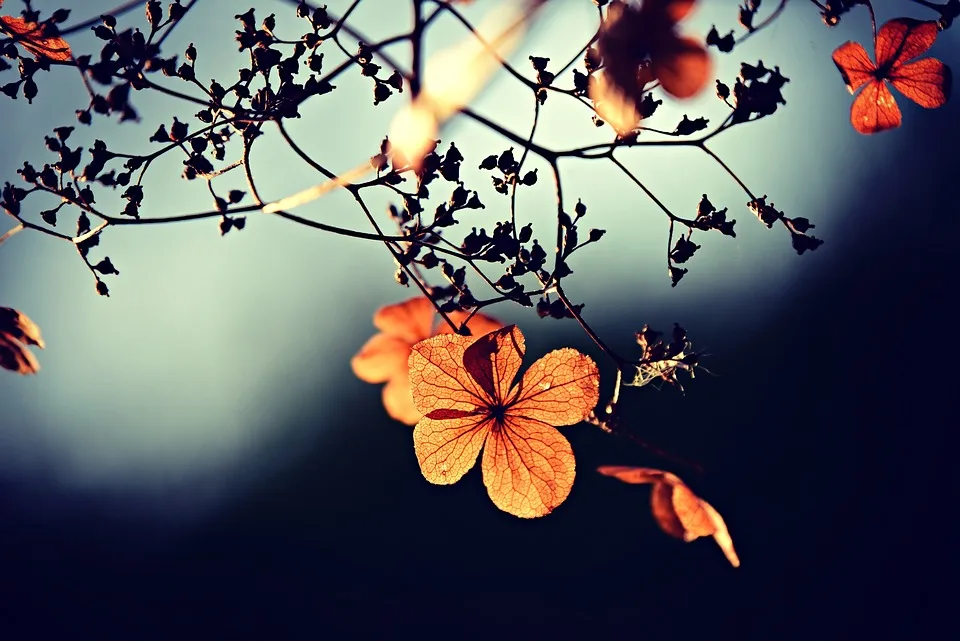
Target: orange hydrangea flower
{"type": "Point", "coordinates": [383, 359]}
{"type": "Point", "coordinates": [926, 82]}
{"type": "Point", "coordinates": [631, 36]}
{"type": "Point", "coordinates": [678, 511]}
{"type": "Point", "coordinates": [466, 392]}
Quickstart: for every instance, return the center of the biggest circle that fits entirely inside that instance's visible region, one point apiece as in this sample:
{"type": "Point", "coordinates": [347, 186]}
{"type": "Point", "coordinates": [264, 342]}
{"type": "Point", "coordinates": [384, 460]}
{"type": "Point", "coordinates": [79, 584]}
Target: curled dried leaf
{"type": "Point", "coordinates": [678, 511]}
{"type": "Point", "coordinates": [17, 333]}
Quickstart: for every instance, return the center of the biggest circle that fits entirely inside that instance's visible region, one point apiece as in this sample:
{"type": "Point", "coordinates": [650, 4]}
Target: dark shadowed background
{"type": "Point", "coordinates": [823, 432]}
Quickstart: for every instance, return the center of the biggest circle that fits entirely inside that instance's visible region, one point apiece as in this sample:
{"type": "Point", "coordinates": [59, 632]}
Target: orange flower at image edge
{"type": "Point", "coordinates": [383, 359]}
{"type": "Point", "coordinates": [466, 392]}
{"type": "Point", "coordinates": [926, 82]}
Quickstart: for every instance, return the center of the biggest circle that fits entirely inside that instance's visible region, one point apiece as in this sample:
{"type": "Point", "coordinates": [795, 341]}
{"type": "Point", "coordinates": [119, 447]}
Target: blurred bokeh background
{"type": "Point", "coordinates": [195, 456]}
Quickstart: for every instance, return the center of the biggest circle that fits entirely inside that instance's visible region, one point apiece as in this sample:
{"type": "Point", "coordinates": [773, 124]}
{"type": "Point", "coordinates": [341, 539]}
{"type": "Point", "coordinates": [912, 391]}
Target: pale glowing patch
{"type": "Point", "coordinates": [451, 79]}
{"type": "Point", "coordinates": [412, 130]}
{"type": "Point", "coordinates": [312, 193]}
{"type": "Point", "coordinates": [455, 75]}
{"type": "Point", "coordinates": [613, 106]}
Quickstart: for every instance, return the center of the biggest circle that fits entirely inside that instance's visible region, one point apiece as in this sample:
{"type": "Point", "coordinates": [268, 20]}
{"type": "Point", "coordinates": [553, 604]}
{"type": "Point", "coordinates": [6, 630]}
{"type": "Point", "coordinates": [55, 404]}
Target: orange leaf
{"type": "Point", "coordinates": [927, 82]}
{"type": "Point", "coordinates": [683, 69]}
{"type": "Point", "coordinates": [493, 361]}
{"type": "Point", "coordinates": [380, 358]}
{"type": "Point", "coordinates": [17, 332]}
{"type": "Point", "coordinates": [466, 391]}
{"type": "Point", "coordinates": [903, 39]}
{"type": "Point", "coordinates": [438, 380]}
{"type": "Point", "coordinates": [854, 64]}
{"type": "Point", "coordinates": [448, 446]}
{"type": "Point", "coordinates": [36, 38]}
{"type": "Point", "coordinates": [678, 511]}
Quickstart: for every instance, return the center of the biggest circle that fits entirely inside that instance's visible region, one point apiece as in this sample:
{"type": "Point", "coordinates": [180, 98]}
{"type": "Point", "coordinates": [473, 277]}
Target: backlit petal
{"type": "Point", "coordinates": [561, 388]}
{"type": "Point", "coordinates": [927, 82]}
{"type": "Point", "coordinates": [854, 64]}
{"type": "Point", "coordinates": [683, 69]}
{"type": "Point", "coordinates": [411, 321]}
{"type": "Point", "coordinates": [381, 358]}
{"type": "Point", "coordinates": [903, 39]}
{"type": "Point", "coordinates": [875, 109]}
{"type": "Point", "coordinates": [398, 400]}
{"type": "Point", "coordinates": [493, 361]}
{"type": "Point", "coordinates": [448, 447]}
{"type": "Point", "coordinates": [528, 467]}
{"type": "Point", "coordinates": [438, 379]}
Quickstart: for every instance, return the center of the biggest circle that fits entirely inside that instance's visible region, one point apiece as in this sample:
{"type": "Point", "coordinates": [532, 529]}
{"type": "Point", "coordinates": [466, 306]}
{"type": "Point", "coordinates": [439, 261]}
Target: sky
{"type": "Point", "coordinates": [171, 387]}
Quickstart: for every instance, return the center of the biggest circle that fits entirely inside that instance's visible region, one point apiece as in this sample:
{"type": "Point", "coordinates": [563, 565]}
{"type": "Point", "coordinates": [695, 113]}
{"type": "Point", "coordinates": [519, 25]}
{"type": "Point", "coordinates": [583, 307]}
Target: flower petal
{"type": "Point", "coordinates": [410, 321]}
{"type": "Point", "coordinates": [528, 467]}
{"type": "Point", "coordinates": [683, 68]}
{"type": "Point", "coordinates": [398, 400]}
{"type": "Point", "coordinates": [438, 379]}
{"type": "Point", "coordinates": [381, 358]}
{"type": "Point", "coordinates": [854, 64]}
{"type": "Point", "coordinates": [902, 40]}
{"type": "Point", "coordinates": [448, 447]}
{"type": "Point", "coordinates": [493, 361]}
{"type": "Point", "coordinates": [562, 388]}
{"type": "Point", "coordinates": [674, 10]}
{"type": "Point", "coordinates": [875, 109]}
{"type": "Point", "coordinates": [927, 82]}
